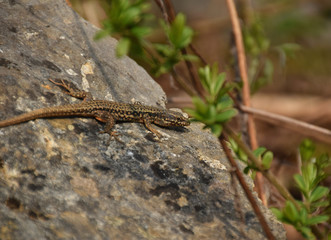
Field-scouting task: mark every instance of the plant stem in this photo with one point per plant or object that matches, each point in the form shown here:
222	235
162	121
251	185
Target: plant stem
318	133
246	89
187	88
268	175
247	191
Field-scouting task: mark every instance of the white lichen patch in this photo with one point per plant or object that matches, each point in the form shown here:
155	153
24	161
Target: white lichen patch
87	68
29	35
213	163
109	97
71	72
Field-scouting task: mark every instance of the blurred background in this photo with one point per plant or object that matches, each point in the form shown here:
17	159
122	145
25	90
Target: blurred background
288	46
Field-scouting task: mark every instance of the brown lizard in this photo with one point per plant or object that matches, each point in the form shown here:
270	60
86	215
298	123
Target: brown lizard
105	111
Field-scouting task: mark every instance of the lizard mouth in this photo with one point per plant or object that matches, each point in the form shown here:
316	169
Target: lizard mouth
185	122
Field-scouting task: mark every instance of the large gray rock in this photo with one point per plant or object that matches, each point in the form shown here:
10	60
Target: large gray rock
58	177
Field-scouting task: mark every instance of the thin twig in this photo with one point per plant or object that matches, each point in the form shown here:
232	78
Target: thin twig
303	128
246	89
247	191
169	16
198	54
282	190
242	66
268	175
170	9
195	80
160	3
187	88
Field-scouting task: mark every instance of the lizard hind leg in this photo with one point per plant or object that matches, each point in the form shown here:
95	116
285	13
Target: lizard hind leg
106	117
86	96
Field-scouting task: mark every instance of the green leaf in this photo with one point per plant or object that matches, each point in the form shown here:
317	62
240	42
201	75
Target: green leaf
309	172
267	159
126	20
123	47
213	82
131	16
216	129
288	49
303	216
233	145
307	149
223	93
204	74
242	156
211	115
279	214
219	81
140	31
190	57
195	115
306	232
200	105
163	49
320	204
226	115
224	103
190	111
318	193
323	161
259	151
301	183
290	212
179	34
101	34
317	219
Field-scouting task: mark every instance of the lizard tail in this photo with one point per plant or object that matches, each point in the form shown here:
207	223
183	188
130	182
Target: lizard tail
50	112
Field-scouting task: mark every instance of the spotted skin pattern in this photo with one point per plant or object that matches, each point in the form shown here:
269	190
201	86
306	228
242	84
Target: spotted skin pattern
105	111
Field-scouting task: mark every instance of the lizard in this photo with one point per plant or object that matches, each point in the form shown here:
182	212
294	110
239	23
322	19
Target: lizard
105	111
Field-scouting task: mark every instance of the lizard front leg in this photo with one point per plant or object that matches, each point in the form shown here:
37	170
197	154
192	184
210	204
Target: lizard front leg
148	125
86	96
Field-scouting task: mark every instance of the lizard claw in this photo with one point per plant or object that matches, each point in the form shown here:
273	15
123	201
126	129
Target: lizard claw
111	133
62	84
114	134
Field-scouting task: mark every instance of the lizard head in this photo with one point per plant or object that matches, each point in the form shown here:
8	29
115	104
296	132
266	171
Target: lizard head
172	118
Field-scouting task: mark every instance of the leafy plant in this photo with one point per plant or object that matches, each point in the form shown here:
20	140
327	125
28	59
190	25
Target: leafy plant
262	153
179	36
316	198
130	23
127	21
258	48
257	45
217	107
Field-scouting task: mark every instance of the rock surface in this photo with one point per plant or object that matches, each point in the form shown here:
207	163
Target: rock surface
58	177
